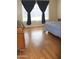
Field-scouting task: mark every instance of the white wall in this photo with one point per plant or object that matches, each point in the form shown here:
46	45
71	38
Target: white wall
19	10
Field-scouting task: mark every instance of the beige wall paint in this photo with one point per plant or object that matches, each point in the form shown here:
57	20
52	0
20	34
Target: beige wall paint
59	9
19	10
53	9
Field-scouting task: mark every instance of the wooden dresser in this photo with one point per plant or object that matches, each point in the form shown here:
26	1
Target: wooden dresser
20	36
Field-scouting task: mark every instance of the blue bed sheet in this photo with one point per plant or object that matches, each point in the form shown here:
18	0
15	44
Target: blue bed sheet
53	27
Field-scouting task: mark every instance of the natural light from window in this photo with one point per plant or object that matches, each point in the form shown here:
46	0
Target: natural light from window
36	14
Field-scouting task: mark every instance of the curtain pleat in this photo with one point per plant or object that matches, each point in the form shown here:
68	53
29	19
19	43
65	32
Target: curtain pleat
42	5
28	5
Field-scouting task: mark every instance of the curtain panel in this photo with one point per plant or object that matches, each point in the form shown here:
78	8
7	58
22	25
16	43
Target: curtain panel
29	5
43	5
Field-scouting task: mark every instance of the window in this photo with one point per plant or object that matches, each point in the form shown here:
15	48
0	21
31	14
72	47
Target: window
36	14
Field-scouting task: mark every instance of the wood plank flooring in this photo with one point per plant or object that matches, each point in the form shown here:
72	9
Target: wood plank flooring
40	45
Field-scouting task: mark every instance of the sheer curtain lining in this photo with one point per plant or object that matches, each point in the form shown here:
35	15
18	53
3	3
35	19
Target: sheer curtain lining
29	5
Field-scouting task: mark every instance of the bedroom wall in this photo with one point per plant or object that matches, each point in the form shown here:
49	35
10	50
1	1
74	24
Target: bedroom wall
53	10
19	10
59	9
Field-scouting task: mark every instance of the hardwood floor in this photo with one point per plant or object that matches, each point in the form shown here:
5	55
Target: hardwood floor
40	45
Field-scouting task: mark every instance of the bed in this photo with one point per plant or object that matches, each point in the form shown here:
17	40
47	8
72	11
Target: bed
53	27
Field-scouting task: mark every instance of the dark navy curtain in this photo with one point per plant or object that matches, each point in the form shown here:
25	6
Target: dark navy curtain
42	5
28	5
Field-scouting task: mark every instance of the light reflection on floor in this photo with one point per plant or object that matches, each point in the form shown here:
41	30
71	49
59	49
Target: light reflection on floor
26	35
35	37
